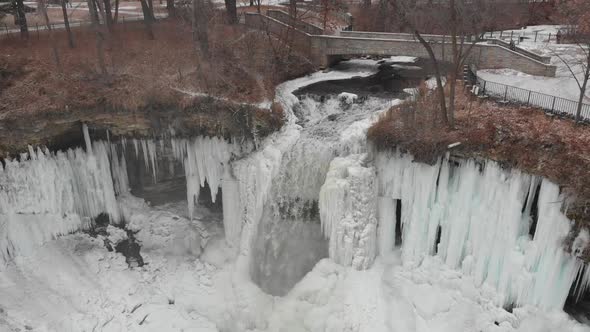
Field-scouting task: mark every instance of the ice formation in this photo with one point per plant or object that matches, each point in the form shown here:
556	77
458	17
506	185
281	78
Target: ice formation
482	213
204	159
347	210
44	195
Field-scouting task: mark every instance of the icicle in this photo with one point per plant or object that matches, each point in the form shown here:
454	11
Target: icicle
232	211
87	138
204	160
483	212
53	194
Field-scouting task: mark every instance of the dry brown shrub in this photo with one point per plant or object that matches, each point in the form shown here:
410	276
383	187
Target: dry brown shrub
141	71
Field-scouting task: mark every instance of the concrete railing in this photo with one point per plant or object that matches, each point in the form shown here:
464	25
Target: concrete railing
391	35
298	24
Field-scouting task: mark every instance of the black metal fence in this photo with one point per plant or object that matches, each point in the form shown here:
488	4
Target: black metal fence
552	104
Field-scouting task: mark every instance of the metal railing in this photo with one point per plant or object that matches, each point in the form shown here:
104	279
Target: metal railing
553	104
533	36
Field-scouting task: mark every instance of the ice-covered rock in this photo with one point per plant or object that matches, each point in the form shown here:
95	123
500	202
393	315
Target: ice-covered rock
347	211
347	97
476	217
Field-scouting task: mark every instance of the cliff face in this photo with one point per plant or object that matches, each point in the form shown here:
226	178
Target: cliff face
515	137
200	116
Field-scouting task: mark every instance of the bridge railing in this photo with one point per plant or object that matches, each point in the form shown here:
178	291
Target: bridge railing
552	104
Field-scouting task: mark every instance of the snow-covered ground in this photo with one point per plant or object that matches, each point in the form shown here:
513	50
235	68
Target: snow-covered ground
74	284
197	279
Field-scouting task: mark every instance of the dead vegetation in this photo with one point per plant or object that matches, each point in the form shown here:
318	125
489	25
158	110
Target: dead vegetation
140	71
520	137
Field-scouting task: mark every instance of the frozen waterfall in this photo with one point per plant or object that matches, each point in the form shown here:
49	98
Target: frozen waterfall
476	217
45	194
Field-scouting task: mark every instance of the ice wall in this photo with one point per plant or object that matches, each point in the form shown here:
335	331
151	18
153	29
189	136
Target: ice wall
45	194
347	211
483	213
204	159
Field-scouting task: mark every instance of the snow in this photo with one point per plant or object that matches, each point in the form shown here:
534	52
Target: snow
402	59
347	97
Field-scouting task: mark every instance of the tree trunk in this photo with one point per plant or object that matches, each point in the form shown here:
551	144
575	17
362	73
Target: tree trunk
108	14
439	86
251	3
67	24
151	9
100	10
41	7
200	32
116	17
583	93
293	8
232	13
99	36
456	61
170	8
22	19
147	19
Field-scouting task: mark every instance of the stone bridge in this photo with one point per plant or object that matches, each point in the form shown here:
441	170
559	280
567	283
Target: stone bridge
323	50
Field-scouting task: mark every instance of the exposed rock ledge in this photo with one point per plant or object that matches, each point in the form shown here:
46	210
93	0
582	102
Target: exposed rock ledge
201	116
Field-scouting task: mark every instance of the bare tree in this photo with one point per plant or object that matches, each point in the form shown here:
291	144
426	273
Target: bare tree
99	36
463	21
41	6
232	12
170	7
576	14
200	23
116	15
147	19
293	8
67	23
108	15
21	18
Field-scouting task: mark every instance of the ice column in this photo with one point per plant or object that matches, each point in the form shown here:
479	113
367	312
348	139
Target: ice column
348	211
45	195
483	213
